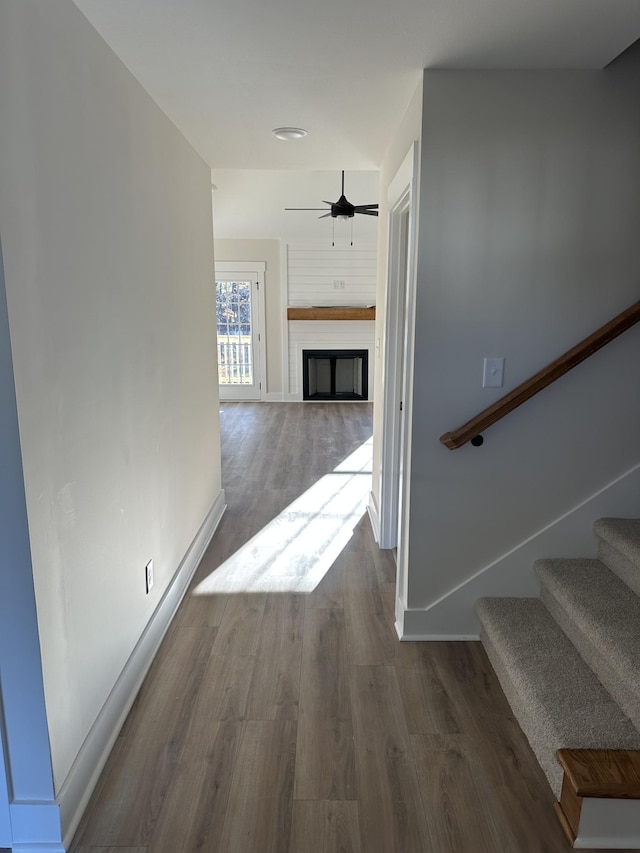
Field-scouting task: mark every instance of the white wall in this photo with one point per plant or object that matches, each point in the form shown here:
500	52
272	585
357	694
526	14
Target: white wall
105	218
267	251
250	204
528	241
331	276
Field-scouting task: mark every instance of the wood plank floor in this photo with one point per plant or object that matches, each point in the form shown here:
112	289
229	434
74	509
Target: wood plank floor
297	723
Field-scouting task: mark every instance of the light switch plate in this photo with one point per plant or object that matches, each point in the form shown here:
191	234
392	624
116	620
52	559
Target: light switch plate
493	373
148	576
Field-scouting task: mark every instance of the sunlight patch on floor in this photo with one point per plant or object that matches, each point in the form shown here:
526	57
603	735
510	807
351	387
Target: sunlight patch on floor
295	550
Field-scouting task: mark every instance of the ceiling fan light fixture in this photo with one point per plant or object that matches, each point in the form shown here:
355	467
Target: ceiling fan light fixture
341	209
289	133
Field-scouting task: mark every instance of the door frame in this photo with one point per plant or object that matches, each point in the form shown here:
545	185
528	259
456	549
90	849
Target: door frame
6	839
399	364
254	270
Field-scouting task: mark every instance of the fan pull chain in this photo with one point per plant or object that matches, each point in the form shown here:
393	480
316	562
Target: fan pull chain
352	218
333	231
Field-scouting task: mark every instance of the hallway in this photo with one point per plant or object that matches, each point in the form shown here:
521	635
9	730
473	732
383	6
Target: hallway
293	720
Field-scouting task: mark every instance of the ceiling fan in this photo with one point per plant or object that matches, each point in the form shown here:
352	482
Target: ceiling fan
342	209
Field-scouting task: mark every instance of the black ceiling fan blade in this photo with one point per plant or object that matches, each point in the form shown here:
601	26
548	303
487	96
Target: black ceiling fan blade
342	208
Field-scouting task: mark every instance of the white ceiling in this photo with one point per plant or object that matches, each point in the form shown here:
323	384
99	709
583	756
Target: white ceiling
228	71
251	202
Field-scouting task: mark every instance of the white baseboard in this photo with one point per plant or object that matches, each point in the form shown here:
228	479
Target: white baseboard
268	397
401	610
608	824
297	398
83	776
35	826
410	628
452	617
437	638
372	509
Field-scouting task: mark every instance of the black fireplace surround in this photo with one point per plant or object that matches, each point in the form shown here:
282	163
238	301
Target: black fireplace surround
337	374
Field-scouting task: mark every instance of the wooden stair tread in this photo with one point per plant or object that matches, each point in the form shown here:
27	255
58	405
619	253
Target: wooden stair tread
602	772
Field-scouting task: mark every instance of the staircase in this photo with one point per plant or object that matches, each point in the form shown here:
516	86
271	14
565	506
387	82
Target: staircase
569	664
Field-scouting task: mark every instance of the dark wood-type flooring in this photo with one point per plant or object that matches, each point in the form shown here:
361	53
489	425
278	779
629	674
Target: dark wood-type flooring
299	723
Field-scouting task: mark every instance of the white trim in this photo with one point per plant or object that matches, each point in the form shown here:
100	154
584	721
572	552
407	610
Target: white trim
512	574
295	398
253	270
5	820
27	782
83	776
284	299
409	628
313	246
401	609
36	824
402	196
408	391
609	824
436	638
233	266
274	397
372	509
395	326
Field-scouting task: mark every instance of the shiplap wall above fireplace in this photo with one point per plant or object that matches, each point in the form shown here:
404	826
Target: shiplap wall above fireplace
322	276
326	276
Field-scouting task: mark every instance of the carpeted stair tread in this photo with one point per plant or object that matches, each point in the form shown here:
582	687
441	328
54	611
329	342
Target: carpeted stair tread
555	696
619	548
623	534
601	617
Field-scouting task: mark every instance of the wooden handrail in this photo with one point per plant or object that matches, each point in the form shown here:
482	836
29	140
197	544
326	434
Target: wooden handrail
563	364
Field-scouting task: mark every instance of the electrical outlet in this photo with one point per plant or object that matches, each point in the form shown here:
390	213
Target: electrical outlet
148	574
338	284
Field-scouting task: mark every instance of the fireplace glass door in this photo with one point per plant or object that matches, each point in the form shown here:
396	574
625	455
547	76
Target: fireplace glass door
335	374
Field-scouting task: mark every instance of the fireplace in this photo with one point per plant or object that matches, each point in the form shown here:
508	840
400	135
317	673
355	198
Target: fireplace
337	374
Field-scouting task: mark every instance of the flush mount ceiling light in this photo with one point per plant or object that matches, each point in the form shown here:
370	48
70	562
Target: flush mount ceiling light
289	132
